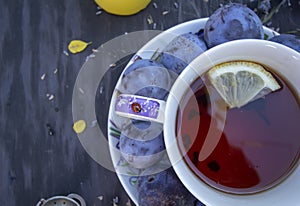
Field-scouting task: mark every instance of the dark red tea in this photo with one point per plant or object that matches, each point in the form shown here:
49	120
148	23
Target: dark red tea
257	148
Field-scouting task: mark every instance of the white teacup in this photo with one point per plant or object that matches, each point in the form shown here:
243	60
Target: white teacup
285	62
282	60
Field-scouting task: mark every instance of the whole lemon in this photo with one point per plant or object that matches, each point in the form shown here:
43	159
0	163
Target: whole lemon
123	7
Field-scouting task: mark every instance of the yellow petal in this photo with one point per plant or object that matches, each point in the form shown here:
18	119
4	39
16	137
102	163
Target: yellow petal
76	46
79	126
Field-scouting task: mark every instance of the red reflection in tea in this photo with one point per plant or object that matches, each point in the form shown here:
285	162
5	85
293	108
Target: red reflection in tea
258	146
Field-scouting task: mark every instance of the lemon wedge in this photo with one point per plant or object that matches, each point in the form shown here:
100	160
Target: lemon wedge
123	7
241	82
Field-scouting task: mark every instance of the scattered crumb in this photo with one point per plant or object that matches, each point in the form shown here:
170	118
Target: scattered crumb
81	90
101	197
94	123
55	71
51	97
176	5
128	203
150	19
95	50
136	57
90	57
12	175
165	12
154	5
101	89
50	130
99	12
66	53
154	25
115	201
112	65
43	76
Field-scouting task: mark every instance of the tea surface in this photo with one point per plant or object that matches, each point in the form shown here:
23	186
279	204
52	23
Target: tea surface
257	148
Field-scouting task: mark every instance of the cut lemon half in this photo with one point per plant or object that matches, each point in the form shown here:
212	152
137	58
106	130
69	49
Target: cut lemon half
123	7
241	82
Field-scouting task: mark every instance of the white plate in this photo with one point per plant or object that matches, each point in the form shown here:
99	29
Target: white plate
125	172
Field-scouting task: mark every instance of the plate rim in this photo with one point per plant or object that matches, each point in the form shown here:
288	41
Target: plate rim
177	30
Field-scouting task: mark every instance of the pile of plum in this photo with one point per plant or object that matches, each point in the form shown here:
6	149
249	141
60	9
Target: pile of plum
141	142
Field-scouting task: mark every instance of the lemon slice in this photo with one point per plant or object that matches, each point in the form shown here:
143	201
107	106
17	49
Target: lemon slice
241	82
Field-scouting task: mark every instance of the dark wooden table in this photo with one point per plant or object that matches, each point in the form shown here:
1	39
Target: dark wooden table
40	154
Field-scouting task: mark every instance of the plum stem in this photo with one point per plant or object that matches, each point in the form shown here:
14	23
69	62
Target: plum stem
273	11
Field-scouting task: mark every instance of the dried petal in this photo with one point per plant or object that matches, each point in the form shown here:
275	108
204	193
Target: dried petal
79	126
76	46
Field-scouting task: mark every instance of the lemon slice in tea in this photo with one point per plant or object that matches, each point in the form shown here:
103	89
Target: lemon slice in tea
241	82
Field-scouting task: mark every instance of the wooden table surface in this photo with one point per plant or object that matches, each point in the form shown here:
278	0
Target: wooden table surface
40	154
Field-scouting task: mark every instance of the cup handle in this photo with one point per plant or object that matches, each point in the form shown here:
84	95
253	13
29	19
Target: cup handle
140	108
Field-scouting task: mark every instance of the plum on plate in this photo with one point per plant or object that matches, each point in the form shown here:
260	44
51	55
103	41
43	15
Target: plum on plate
172	62
153	92
141	63
142	144
231	22
288	40
142	74
182	50
163	189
